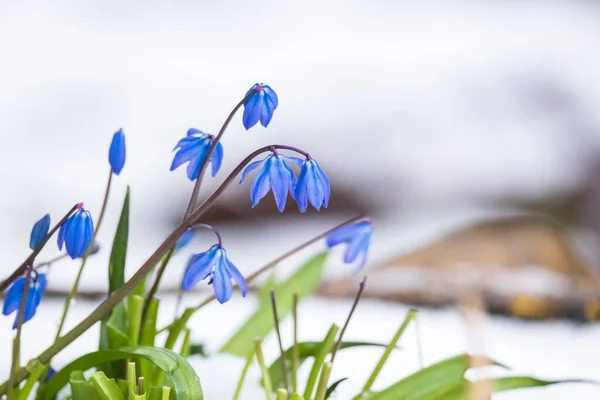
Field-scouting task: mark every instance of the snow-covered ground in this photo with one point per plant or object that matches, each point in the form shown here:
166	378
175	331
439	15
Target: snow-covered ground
548	350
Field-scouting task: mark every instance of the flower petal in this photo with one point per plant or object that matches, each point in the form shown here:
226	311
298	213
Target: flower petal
39	231
193	168
355	247
221	280
296	160
252	110
271	94
279	175
61	232
187	153
200	266
301	190
262	182
267	110
343	234
237	276
251	167
314	189
325	184
194	131
217	159
13	296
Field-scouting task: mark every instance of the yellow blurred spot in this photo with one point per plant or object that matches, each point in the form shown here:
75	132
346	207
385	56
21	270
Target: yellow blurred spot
529	307
591	309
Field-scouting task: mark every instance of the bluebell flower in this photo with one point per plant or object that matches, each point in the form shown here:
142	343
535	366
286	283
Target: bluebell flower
313	186
12	302
39	231
76	233
275	174
357	236
116	154
193	149
185	238
215	265
259	107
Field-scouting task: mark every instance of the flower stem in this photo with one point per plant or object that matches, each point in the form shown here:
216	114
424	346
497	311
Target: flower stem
238	389
284	375
210	228
193	199
112	301
16	351
29	261
326	347
75	287
412	314
266	378
295	350
361	288
323	380
282	394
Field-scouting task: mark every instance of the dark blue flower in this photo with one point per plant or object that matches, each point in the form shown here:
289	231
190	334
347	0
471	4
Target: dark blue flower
259	107
358	238
313	186
275	174
185	238
193	148
39	231
12	302
215	265
51	373
76	233
116	154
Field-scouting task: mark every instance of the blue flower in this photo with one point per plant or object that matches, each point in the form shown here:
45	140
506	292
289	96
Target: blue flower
260	106
193	148
358	238
185	238
76	233
313	186
12	302
275	174
215	265
116	154
39	231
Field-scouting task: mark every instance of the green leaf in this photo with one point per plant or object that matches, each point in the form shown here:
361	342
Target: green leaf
113	335
521	382
198	349
107	388
80	388
186	384
428	383
306	350
116	264
303	282
38	369
333	386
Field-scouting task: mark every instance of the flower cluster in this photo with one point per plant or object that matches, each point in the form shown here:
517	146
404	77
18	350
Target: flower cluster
193	149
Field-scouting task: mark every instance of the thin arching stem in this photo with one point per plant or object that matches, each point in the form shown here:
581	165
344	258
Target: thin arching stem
29	261
112	301
75	287
193	200
212	229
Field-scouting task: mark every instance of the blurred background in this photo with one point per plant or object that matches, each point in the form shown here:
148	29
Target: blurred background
467	130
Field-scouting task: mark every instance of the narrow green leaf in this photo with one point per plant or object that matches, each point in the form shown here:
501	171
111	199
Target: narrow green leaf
82	389
147	338
113	335
116	264
186	384
427	383
106	387
135	304
305	351
35	375
333	386
303	282
326	348
521	382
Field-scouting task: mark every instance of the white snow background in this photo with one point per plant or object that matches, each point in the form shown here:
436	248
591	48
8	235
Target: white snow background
422	109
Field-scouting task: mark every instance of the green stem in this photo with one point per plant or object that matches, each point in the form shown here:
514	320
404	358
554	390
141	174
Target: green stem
193	199
263	369
112	301
38	369
278	331
166	393
295	349
323	380
16	351
282	394
356	300
131	378
388	350
238	389
75	287
29	261
134	315
326	347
